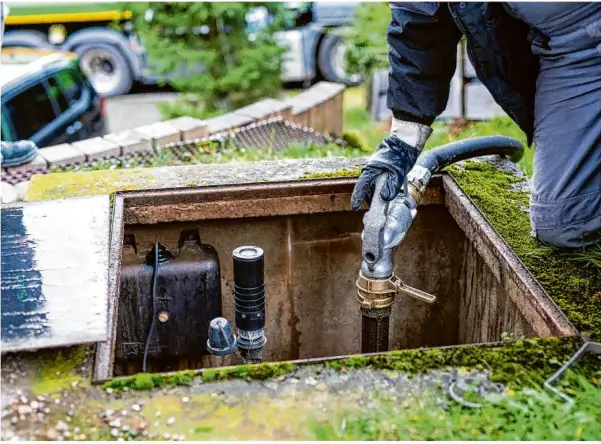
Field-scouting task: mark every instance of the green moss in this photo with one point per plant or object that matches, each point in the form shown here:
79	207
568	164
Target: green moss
203	429
57	369
571	281
143	381
525	361
262	371
355	139
89	183
333	174
149	381
191	184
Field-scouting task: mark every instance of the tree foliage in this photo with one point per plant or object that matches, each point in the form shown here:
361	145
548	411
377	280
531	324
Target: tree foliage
366	38
207	53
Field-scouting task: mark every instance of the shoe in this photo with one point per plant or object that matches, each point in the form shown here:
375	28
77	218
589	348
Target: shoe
17	153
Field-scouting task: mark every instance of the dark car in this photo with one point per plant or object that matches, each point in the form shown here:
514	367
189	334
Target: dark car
47	99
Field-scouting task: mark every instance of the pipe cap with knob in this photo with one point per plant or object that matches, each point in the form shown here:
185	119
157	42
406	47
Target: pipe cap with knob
222	340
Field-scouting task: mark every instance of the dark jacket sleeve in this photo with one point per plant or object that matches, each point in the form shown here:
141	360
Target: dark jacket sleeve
422	40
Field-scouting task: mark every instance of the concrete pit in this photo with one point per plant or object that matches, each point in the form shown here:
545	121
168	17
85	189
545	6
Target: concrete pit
312	245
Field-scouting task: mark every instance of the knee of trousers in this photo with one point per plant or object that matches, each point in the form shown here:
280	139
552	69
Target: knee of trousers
570	223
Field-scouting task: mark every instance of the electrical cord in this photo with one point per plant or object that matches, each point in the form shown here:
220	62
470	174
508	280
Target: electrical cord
154	305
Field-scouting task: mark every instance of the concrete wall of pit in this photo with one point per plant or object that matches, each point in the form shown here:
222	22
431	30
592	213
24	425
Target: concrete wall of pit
311	264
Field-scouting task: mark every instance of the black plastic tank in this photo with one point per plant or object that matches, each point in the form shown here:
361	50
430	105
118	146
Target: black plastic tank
188	296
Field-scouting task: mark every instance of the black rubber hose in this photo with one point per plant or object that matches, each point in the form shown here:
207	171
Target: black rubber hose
442	156
375	330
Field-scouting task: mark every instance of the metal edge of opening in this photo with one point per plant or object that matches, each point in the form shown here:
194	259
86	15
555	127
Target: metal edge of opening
479	231
487	240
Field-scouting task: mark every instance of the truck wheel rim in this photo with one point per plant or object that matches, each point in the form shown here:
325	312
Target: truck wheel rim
101	69
339	59
340	65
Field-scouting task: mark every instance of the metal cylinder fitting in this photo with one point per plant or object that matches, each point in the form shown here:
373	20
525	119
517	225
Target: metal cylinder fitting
249	288
221	340
249	301
373	294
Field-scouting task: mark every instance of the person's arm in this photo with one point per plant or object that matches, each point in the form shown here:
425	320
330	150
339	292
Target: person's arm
423	40
423	49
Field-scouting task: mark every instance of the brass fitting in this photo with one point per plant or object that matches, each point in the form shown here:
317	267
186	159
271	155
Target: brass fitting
416	193
417	180
376	294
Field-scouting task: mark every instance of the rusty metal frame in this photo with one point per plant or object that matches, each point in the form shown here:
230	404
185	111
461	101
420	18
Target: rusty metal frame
494	250
327	195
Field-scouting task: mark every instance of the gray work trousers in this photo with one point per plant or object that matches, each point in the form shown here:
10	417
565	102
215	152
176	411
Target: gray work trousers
565	204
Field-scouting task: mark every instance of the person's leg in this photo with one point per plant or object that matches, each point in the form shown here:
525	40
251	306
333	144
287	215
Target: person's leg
566	185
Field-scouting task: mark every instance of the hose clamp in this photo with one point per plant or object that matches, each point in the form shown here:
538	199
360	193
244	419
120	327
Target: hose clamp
376	294
417	180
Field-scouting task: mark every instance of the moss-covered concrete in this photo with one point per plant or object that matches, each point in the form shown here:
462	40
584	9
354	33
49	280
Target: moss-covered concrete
516	363
80	183
91	183
332	174
571	280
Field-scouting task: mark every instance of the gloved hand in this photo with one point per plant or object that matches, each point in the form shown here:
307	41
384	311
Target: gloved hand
396	155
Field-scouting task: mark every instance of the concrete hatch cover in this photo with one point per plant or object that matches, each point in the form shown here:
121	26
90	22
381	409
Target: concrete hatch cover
55	258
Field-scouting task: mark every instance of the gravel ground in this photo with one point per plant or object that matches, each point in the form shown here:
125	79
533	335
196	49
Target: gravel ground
281	408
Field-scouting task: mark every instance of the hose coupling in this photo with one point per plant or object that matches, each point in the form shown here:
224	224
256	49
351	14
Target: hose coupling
417	181
374	294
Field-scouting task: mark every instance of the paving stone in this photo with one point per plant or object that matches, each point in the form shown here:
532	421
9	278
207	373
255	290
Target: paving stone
9	194
130	142
189	127
159	133
39	163
227	122
264	109
21	189
97	148
64	153
305	101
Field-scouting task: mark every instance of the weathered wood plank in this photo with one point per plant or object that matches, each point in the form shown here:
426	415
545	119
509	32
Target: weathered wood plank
55	273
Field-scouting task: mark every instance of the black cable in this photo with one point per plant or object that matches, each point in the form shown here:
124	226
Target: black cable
154	305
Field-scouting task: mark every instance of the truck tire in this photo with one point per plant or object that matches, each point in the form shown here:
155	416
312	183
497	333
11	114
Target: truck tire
331	61
377	92
26	39
106	69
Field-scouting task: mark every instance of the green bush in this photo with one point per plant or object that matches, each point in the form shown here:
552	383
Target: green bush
366	38
208	54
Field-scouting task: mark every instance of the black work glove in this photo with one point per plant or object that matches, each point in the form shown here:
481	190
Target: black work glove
394	157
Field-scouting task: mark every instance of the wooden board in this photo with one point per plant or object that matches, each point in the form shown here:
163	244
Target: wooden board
55	258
